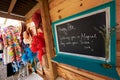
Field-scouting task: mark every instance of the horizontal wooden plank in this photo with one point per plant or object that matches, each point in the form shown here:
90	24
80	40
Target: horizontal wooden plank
54	3
81	72
118	53
118	45
118	61
118	2
68	75
118	42
70	7
11	16
118	20
118	38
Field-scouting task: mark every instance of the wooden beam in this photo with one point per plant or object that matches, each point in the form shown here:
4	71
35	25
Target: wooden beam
11	6
81	72
5	15
48	36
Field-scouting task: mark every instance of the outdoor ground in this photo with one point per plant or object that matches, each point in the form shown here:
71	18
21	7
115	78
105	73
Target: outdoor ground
3	73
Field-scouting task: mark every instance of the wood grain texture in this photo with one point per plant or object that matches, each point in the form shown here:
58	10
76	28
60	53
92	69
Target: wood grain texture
63	8
118	53
118	17
11	16
118	61
118	69
72	73
48	36
118	45
12	4
60	9
68	75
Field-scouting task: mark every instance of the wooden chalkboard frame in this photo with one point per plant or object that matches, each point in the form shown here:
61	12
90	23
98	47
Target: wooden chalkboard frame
110	9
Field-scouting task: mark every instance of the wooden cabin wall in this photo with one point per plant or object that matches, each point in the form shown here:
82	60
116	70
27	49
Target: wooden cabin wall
118	31
63	8
72	73
60	9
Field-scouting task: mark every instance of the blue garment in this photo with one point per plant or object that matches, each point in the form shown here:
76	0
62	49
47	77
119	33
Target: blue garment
28	55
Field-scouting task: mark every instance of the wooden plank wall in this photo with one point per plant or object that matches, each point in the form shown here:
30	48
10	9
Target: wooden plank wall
63	8
72	73
118	34
59	9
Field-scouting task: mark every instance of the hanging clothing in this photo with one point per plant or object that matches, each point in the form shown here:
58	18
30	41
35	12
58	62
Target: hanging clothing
38	45
1	45
12	49
10	54
36	17
28	55
27	38
5	55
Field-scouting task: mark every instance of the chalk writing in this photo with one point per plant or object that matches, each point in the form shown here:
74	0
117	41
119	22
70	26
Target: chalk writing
63	30
83	39
70	27
85	36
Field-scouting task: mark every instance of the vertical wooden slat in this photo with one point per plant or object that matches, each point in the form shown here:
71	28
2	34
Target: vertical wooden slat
118	33
47	35
118	18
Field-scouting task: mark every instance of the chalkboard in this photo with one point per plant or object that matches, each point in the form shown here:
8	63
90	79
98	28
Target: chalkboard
84	35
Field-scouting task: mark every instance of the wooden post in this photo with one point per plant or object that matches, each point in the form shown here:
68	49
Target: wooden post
47	35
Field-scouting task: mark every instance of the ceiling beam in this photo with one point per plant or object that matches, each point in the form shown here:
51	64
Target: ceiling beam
12	4
5	15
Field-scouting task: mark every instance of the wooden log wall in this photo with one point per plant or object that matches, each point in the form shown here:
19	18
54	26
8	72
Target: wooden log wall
60	9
